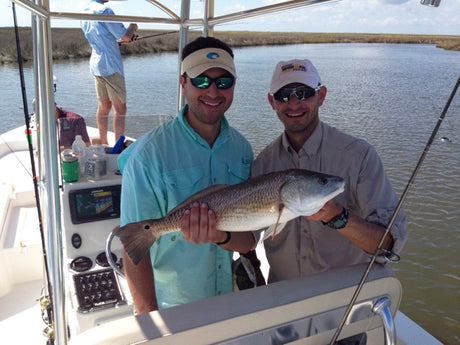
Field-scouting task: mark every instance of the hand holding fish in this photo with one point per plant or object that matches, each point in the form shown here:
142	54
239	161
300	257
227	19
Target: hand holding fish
198	225
330	209
363	234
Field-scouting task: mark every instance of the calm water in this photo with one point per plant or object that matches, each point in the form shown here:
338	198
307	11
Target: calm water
391	95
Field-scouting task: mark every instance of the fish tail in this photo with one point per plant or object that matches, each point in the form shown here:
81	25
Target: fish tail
136	240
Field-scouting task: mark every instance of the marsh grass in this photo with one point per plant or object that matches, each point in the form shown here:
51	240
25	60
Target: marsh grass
70	43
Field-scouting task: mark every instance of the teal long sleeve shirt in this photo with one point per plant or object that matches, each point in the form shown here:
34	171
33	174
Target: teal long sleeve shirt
160	170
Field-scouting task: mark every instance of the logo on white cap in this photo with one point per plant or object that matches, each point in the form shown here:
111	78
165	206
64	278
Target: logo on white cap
212	55
294	71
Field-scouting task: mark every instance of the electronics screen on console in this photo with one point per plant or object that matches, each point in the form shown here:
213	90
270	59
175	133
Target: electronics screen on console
88	205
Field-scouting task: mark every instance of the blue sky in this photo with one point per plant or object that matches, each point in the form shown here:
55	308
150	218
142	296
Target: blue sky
367	16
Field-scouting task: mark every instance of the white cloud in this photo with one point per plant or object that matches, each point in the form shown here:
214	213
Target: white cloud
379	16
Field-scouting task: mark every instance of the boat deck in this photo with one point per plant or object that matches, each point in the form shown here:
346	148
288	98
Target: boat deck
247	317
20	314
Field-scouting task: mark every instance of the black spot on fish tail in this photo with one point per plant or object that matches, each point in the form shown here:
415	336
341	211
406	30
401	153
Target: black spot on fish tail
137	238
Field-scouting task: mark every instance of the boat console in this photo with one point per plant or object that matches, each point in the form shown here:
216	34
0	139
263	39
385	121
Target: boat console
91	209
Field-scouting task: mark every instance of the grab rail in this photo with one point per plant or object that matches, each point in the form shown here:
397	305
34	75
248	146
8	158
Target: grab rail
382	308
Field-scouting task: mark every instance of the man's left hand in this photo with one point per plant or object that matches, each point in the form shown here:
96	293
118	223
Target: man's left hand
327	212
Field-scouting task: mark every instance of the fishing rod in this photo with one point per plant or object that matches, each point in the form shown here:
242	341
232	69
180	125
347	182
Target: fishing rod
45	302
136	38
395	213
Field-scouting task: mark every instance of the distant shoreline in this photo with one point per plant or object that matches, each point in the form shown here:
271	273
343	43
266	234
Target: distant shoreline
70	43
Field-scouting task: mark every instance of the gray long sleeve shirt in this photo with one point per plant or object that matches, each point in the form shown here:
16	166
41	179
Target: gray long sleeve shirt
307	247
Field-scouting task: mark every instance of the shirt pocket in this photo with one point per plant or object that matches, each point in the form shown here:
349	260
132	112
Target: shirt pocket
182	183
238	171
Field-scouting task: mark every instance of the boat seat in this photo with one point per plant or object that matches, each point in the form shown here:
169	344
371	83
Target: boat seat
299	311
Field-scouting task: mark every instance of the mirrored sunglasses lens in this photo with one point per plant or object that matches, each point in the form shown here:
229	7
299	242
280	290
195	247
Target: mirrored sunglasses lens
201	82
301	92
304	92
224	82
282	95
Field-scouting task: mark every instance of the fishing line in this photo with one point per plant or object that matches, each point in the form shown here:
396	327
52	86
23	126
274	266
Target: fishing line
32	160
148	36
395	213
155	35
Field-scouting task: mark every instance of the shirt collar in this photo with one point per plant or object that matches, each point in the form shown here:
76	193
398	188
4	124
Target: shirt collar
311	146
221	137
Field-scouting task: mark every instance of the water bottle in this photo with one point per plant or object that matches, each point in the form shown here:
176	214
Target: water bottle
96	165
79	148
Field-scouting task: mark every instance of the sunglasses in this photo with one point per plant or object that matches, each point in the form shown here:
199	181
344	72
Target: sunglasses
203	82
301	92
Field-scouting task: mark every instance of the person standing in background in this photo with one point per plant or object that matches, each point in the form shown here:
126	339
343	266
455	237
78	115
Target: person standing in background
107	67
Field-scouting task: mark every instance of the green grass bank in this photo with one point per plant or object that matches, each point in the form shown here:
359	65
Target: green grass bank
69	43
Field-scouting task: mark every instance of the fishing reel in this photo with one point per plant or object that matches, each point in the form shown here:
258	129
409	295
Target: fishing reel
389	256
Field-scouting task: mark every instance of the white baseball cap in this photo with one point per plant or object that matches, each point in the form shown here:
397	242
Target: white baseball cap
294	71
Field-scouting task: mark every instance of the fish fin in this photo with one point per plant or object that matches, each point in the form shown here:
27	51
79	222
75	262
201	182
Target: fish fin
269	231
199	196
137	238
280	211
272	229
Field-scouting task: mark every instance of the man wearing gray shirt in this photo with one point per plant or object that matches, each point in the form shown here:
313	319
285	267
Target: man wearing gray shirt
347	230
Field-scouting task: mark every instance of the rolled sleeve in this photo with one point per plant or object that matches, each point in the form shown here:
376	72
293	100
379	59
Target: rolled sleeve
377	199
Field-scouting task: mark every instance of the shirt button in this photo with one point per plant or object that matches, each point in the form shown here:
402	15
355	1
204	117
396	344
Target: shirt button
219	267
173	238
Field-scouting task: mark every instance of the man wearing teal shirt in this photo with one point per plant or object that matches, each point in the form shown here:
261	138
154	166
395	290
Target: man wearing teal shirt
165	166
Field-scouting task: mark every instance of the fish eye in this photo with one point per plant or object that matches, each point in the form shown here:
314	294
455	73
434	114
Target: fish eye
323	181
146	227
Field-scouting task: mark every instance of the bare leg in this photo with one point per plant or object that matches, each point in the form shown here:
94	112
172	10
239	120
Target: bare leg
102	114
119	112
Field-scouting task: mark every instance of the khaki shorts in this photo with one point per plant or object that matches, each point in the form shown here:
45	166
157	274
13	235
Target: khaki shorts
111	87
